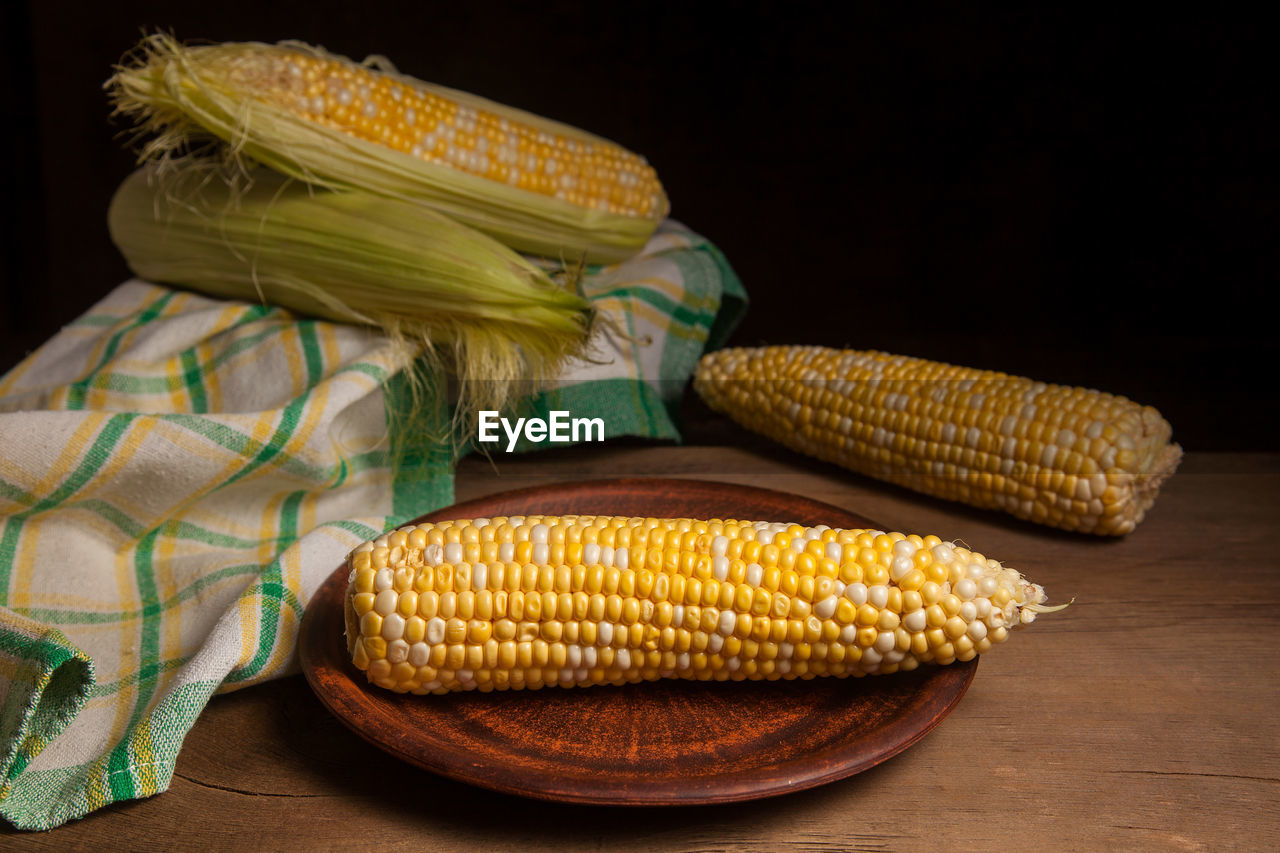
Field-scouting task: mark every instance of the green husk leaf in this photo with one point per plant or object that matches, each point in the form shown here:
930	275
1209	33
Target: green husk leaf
488	315
182	97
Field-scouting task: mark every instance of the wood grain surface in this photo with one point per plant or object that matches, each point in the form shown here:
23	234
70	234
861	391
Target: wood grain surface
1143	717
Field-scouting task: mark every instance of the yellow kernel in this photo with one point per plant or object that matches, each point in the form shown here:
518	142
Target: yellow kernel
866	615
364	578
479	630
846	611
876	575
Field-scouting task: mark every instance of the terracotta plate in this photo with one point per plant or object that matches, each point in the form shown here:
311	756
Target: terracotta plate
661	743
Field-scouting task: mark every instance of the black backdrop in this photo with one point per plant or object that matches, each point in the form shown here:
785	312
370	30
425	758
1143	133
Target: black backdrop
1073	197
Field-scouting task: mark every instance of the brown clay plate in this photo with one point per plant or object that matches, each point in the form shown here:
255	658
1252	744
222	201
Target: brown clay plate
659	743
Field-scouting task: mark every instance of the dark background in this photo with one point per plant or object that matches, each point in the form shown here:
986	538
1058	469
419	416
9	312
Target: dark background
1073	197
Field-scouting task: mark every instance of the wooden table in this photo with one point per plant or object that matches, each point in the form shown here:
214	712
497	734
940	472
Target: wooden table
1143	717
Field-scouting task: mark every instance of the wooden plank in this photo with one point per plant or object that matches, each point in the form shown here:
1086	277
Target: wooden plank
1141	717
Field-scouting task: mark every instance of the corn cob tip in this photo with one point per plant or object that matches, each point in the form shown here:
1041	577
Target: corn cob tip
534	601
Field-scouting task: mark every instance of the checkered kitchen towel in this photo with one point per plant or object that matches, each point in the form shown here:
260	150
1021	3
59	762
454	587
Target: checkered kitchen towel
178	475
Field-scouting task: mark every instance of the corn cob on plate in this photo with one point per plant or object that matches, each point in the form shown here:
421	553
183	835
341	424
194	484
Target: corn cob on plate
671	741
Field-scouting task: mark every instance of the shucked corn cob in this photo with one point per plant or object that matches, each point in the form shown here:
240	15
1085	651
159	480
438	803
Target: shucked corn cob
536	601
535	184
1067	457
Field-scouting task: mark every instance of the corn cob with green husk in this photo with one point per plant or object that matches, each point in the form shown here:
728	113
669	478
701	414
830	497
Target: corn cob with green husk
534	184
535	601
493	317
1068	457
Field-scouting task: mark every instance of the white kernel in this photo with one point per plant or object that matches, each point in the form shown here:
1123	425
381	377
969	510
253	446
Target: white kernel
453	553
607	556
573	656
621	558
871	659
589	656
987	586
904	548
714	644
944	553
435	630
479	576
885	642
392	627
604	634
590	554
727	621
720	567
397	651
900	566
915	621
848	634
419	654
834	551
719	546
382	542
969	611
878	596
410	116
733	664
825	608
857	593
966	589
976	631
622	659
755	574
370	109
507	552
677	615
344	96
539	533
385	602
540	554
